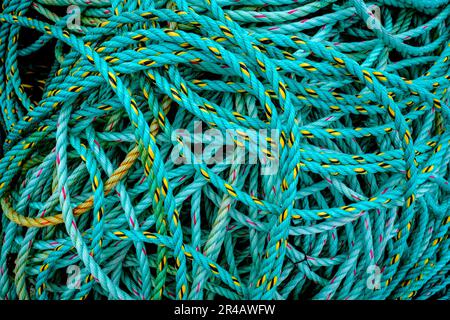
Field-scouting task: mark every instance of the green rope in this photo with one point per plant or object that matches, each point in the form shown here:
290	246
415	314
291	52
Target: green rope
246	149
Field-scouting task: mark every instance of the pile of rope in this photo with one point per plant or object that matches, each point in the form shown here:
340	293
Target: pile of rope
104	195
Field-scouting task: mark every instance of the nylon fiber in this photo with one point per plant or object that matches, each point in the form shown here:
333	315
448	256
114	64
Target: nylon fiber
103	192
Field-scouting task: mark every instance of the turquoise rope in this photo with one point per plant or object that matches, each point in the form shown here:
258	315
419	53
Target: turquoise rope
93	206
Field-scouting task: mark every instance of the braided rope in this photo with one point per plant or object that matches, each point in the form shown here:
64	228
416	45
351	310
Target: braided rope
348	196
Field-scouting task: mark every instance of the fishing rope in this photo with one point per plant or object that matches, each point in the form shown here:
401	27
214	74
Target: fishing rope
331	118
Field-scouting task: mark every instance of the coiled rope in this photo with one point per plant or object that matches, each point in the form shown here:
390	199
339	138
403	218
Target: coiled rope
93	205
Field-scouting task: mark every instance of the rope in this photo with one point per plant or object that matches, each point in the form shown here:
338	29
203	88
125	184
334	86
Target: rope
192	149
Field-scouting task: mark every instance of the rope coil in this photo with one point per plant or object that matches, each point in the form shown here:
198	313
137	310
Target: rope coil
343	105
